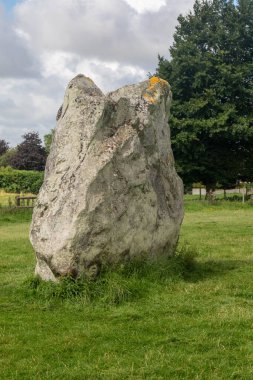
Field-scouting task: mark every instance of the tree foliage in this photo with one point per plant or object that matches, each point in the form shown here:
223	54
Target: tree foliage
5	159
30	154
48	138
4	146
211	74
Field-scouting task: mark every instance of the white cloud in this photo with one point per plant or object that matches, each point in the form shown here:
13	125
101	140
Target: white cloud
16	59
115	42
28	104
142	6
107	30
107	75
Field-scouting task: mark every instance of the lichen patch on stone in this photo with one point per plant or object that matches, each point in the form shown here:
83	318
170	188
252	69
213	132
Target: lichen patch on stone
152	92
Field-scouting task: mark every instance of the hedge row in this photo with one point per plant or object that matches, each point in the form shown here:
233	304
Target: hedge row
16	181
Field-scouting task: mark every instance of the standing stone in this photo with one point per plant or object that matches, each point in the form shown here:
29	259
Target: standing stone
111	192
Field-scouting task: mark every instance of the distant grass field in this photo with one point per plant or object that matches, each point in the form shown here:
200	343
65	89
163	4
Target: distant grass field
8	199
193	321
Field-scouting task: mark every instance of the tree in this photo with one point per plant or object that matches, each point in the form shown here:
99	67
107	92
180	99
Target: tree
4	146
5	159
211	74
48	140
30	154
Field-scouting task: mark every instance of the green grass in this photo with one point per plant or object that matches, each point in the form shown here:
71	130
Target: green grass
9	199
182	320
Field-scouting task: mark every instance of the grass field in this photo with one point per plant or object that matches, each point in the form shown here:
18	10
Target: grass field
195	324
9	199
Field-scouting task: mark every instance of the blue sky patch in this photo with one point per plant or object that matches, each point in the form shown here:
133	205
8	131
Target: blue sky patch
9	4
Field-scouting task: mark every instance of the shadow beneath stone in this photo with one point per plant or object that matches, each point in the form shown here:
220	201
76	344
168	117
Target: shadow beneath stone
201	271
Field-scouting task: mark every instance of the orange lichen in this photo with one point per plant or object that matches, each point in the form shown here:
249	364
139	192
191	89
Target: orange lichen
151	94
155	80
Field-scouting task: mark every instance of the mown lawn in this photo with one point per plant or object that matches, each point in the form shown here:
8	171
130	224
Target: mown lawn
197	324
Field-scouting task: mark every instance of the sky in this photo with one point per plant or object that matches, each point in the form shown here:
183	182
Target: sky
45	43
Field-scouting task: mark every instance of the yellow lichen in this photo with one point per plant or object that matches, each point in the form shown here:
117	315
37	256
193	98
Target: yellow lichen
149	98
155	80
151	94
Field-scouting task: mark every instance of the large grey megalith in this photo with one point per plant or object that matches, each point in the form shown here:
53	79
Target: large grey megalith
110	192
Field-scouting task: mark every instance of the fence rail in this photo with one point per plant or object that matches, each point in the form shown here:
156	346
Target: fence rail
27	202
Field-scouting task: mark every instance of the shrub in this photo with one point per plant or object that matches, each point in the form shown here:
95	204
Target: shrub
17	181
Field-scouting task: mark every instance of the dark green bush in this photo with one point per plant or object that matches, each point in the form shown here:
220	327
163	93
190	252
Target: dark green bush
16	181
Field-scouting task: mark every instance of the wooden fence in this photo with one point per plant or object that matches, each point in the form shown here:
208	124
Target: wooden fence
27	202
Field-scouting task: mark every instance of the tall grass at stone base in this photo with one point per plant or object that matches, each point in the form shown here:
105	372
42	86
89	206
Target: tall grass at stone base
114	286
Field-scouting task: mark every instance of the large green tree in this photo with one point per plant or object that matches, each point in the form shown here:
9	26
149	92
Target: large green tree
211	74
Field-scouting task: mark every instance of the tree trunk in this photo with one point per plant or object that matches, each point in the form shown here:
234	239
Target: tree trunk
210	192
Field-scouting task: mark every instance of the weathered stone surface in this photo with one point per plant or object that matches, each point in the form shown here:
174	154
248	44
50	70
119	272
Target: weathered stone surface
111	192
